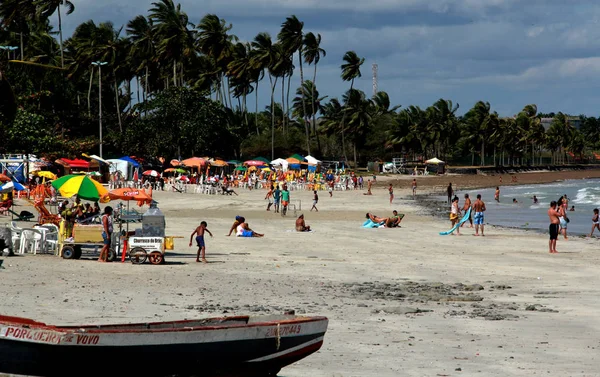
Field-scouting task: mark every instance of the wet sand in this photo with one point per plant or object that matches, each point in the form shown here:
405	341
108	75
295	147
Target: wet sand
400	301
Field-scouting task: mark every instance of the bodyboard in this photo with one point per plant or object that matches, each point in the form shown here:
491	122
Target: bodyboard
462	221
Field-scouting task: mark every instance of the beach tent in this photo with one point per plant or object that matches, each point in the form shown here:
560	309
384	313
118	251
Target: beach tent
261	159
434	161
436	165
280	162
297	157
123	166
133	162
311	160
95	157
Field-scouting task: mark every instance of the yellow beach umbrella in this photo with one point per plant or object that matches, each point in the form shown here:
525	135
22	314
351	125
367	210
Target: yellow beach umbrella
45	174
81	185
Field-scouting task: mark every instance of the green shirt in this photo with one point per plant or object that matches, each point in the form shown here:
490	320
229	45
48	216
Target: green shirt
285	195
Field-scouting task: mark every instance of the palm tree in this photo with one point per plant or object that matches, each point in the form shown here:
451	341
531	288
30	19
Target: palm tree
214	42
311	95
484	122
141	34
16	16
47	9
359	112
312	55
266	55
240	71
350	71
171	29
292	37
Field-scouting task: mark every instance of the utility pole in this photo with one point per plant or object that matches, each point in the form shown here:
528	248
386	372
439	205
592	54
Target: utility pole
99	65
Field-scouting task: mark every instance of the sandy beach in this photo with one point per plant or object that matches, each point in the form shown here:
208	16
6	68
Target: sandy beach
401	302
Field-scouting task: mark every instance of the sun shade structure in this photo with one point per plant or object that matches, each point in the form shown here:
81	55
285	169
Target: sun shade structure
151	173
45	174
4	178
218	163
80	185
255	163
128	193
194	162
434	161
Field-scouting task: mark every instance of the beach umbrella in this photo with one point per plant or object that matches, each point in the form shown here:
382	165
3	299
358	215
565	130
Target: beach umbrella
80	185
128	193
219	163
292	160
297	157
254	163
266	169
45	174
10	186
175	162
240	168
93	173
4	178
194	162
183	178
266	161
311	160
151	173
234	162
434	161
175	170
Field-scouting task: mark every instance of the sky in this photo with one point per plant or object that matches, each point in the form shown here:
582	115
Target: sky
507	52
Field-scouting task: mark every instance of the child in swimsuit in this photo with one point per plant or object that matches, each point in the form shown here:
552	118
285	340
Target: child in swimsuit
595	220
200	240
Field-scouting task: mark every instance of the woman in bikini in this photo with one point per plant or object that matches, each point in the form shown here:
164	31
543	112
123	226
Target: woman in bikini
595	224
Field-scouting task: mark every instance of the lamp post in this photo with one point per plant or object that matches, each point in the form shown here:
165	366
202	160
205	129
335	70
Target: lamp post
99	65
8	49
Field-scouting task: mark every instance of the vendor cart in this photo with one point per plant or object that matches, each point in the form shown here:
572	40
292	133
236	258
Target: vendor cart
83	236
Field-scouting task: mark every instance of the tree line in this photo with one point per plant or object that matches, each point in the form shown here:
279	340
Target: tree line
192	83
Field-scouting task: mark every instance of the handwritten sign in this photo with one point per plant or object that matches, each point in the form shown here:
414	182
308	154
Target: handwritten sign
36	336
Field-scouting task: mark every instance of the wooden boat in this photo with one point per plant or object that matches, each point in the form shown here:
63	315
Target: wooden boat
228	346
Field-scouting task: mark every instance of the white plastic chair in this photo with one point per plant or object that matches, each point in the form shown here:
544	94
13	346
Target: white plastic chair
15	235
51	242
31	240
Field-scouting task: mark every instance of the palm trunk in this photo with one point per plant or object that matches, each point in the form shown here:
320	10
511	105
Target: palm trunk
229	93
22	48
283	113
344	126
272	116
287	100
90	91
174	72
118	107
129	96
314	113
62	58
355	163
137	85
303	103
482	153
256	108
245	107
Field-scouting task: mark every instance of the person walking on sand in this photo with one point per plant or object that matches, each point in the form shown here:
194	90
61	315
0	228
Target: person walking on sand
269	197
595	220
563	218
330	188
285	200
199	232
391	191
276	198
107	230
479	209
497	194
414	187
553	214
455	214
315	201
369	186
450	192
466	207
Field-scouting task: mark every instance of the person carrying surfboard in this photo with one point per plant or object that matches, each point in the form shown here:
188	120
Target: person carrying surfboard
455	214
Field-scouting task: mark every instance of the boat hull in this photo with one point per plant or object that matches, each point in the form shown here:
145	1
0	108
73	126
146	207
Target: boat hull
257	350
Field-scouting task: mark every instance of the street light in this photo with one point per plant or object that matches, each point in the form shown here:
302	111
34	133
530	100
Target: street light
99	65
8	49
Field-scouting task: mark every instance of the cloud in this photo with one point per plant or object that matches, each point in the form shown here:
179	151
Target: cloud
508	52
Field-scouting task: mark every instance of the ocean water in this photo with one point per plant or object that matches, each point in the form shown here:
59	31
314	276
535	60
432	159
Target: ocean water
583	194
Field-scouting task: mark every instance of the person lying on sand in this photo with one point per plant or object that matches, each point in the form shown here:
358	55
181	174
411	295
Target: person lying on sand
301	225
243	230
376	219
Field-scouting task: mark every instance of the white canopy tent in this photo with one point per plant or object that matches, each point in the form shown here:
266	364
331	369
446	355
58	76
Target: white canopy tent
311	160
281	163
434	161
123	166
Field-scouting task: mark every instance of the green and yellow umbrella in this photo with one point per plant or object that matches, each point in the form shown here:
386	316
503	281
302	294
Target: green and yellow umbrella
80	185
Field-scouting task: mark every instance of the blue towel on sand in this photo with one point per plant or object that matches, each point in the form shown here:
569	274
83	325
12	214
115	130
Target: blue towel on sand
370	224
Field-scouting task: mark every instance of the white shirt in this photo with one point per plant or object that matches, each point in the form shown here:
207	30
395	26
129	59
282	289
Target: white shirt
239	231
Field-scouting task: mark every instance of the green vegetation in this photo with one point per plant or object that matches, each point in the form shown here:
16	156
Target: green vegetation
192	83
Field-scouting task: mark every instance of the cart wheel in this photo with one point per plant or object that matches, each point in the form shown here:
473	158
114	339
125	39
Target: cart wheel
68	252
112	255
137	255
77	249
156	257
